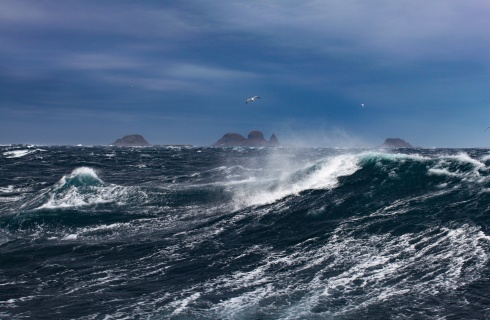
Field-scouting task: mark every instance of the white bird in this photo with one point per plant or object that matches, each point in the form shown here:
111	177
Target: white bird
362	105
252	99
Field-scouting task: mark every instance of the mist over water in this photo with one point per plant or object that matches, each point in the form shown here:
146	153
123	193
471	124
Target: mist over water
244	233
296	135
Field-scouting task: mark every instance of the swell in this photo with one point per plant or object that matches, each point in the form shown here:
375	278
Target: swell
368	183
253	234
348	252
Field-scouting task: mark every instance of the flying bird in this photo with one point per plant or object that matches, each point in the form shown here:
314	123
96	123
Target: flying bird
362	105
252	99
486	129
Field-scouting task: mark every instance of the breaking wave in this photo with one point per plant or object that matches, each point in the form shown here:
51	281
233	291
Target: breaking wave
322	174
82	187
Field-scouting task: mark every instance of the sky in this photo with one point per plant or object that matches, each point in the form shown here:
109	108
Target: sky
179	72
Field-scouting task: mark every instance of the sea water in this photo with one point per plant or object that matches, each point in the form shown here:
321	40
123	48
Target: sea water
244	233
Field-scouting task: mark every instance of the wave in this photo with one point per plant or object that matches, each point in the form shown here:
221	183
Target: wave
461	167
20	153
322	174
276	178
82	187
347	274
373	172
245	234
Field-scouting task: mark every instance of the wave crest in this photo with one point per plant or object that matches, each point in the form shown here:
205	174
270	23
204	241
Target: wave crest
83	176
82	187
323	174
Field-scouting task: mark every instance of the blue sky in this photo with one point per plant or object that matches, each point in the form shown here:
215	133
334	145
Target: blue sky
179	72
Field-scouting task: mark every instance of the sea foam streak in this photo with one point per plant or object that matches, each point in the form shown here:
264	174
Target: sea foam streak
349	274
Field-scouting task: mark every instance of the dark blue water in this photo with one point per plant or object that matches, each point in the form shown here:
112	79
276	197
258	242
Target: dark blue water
243	233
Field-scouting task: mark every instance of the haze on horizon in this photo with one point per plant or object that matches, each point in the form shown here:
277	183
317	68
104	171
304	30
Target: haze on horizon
177	72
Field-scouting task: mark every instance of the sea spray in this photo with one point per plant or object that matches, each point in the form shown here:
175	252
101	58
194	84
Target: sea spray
292	180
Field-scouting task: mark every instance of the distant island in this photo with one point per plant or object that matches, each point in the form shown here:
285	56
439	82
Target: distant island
132	140
393	143
254	139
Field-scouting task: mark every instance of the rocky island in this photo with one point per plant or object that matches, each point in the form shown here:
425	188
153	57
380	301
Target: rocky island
133	140
393	143
254	139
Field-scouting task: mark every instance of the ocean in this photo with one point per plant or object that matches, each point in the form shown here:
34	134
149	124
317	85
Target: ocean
244	233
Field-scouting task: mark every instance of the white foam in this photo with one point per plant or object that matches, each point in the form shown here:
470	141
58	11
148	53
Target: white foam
84	171
74	197
20	153
392	156
321	175
10	193
449	166
441	256
383	267
182	304
7	189
465	158
10	198
87	231
70	237
485	158
89	190
17	153
235	307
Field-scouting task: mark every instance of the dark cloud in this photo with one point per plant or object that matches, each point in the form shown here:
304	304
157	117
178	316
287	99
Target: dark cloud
200	59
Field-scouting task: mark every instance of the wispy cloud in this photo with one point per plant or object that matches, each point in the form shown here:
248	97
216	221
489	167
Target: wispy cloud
400	31
207	73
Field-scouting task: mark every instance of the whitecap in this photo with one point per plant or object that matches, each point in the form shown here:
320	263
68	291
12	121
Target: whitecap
73	236
456	166
82	187
17	153
323	174
21	152
7	189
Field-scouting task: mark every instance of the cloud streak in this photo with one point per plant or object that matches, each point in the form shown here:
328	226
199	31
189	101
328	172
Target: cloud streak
309	59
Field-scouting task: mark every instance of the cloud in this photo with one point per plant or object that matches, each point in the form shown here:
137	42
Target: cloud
310	59
99	61
110	43
407	29
151	75
93	17
333	30
206	73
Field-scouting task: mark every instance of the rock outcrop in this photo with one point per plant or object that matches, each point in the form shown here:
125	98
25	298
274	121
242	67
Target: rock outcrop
273	141
133	140
254	139
230	139
392	143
